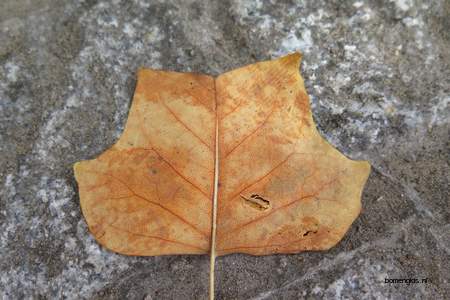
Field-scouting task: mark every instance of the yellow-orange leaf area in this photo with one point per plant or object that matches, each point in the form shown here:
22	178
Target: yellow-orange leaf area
281	187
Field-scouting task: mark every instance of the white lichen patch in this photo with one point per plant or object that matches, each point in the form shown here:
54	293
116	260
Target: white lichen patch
129	30
440	111
293	43
248	8
358	4
50	135
403	4
12	71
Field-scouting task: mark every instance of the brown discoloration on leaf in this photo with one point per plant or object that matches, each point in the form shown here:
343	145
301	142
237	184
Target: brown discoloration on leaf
282	187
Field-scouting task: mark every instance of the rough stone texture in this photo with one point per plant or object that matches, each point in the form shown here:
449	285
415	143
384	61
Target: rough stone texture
378	73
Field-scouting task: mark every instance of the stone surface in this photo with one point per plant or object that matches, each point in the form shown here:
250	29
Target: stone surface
378	73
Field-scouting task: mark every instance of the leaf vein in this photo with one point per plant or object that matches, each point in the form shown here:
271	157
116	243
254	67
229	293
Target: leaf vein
185	126
251	134
155	203
156	237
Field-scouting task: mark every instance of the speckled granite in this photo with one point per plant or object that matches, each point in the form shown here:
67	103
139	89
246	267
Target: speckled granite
378	73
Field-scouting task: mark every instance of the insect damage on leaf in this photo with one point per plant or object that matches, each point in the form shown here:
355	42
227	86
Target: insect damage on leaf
257	201
156	191
309	231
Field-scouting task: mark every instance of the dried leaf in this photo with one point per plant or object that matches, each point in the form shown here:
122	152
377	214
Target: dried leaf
279	186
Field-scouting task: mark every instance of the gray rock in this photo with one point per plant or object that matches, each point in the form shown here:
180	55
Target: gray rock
378	73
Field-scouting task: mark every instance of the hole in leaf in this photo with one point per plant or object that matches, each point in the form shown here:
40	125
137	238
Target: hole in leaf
256	201
309	231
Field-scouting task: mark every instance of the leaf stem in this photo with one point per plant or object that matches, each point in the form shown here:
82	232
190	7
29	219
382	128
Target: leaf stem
214	206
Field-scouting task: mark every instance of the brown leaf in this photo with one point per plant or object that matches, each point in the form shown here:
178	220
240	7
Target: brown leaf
281	188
